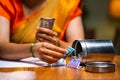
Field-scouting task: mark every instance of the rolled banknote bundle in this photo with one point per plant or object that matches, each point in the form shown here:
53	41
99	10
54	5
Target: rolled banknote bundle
47	22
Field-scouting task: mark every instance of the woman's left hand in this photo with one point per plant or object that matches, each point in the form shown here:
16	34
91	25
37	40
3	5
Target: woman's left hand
46	35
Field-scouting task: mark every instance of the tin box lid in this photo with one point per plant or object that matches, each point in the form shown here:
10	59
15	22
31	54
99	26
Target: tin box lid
100	67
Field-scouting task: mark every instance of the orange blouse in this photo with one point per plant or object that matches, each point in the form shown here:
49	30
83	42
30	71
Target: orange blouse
13	11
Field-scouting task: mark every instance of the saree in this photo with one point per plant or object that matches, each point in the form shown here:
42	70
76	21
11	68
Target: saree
23	30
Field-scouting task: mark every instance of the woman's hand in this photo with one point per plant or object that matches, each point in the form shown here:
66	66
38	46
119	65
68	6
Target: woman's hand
48	52
46	35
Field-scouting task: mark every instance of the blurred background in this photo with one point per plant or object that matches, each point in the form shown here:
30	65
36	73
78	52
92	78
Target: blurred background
101	19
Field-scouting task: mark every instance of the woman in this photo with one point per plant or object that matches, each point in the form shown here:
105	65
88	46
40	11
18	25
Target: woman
19	20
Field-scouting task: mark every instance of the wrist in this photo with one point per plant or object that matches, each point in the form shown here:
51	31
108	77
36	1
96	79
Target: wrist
36	48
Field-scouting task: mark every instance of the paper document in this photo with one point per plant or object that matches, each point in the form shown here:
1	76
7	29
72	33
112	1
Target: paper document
27	62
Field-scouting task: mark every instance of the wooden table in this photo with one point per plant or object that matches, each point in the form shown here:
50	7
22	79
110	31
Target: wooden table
58	73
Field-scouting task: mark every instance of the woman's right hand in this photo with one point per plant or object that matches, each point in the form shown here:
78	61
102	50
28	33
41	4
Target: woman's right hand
48	52
46	35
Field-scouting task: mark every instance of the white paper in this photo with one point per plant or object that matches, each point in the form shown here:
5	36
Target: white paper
27	62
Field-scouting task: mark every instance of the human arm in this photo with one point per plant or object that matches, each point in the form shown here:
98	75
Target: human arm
14	51
74	31
10	50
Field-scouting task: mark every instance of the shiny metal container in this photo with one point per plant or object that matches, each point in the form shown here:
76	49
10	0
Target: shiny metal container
93	50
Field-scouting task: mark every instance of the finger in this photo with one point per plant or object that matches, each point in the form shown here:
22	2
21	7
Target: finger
48	59
47	31
45	37
42	40
51	53
36	40
54	48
